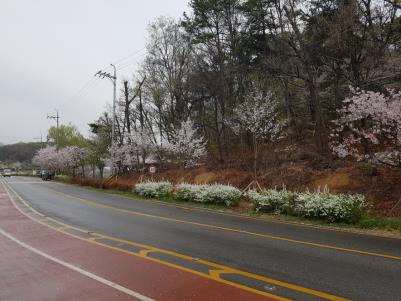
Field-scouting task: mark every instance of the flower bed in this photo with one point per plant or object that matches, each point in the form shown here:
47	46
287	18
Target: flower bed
154	189
319	205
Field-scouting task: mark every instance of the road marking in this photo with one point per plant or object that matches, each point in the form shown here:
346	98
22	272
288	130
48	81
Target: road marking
140	255
319	245
77	269
331	228
213	275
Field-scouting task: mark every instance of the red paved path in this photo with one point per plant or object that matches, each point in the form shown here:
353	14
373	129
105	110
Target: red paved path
25	275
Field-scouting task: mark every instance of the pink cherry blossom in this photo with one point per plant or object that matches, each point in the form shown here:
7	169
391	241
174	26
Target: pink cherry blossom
369	127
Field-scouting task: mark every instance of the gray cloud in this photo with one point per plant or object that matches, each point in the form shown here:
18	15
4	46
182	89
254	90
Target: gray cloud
50	49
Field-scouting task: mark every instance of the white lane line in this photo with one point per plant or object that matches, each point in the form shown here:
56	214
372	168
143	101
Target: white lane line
26	182
77	269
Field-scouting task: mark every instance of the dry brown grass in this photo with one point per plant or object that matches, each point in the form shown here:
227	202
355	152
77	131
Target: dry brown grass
381	184
110	183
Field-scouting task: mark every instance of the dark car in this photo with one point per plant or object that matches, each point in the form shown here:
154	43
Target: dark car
47	175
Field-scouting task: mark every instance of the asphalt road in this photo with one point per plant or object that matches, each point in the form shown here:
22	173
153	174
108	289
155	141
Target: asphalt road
352	266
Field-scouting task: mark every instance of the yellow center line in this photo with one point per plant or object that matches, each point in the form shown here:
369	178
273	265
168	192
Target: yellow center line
213	274
319	245
275	297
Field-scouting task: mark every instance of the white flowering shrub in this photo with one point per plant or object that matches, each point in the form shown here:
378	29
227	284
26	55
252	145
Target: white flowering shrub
188	192
333	208
221	194
154	189
272	200
319	205
214	193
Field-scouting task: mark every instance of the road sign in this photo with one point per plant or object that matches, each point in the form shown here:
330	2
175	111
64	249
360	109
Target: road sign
152	169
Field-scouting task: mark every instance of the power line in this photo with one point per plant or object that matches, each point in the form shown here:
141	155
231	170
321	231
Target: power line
83	89
125	58
120	64
127	64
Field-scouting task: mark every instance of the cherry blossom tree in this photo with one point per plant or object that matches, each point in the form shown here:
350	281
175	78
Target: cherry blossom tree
116	159
186	145
139	146
65	159
71	157
46	158
257	116
135	148
369	127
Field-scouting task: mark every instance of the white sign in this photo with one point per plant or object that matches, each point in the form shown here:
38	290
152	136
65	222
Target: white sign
152	169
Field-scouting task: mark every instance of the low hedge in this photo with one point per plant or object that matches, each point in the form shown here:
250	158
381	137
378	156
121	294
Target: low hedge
214	193
318	205
152	189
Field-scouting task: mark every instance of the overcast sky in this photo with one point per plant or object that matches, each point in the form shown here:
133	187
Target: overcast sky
50	50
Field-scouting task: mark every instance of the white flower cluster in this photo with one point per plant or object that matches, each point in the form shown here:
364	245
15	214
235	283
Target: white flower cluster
136	146
186	146
369	127
257	115
272	200
320	205
65	159
213	193
333	208
154	189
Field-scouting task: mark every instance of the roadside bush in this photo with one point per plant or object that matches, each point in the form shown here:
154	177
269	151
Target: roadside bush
154	189
272	200
333	208
188	192
214	193
318	205
220	194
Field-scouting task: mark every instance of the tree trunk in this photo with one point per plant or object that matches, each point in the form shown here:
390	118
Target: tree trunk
255	156
218	136
126	108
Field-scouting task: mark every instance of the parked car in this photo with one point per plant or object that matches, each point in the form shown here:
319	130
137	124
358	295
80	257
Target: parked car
7	173
47	175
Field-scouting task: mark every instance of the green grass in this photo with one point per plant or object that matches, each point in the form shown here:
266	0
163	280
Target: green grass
367	222
375	222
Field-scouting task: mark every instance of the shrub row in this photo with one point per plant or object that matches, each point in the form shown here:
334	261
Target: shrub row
316	205
117	184
214	193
